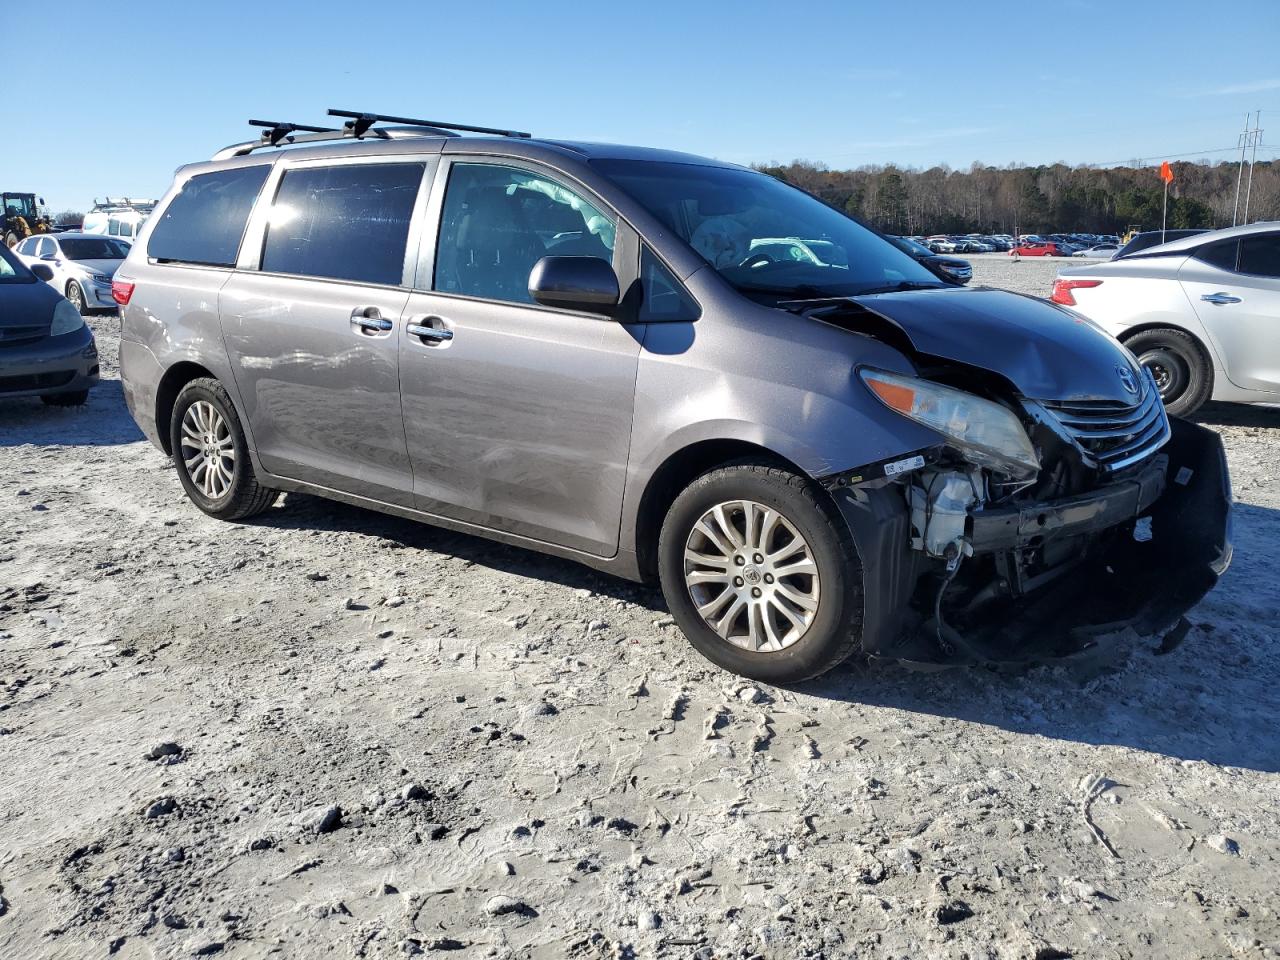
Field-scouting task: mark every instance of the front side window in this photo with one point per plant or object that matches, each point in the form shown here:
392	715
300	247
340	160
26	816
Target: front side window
348	222
499	221
205	222
768	239
1260	255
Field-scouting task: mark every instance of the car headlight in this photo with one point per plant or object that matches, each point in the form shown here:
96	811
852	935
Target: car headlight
66	319
987	433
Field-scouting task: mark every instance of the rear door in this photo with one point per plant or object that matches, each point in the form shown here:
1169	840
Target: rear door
518	416
311	322
1234	287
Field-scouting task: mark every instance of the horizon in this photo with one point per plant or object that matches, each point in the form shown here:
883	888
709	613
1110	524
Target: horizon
686	79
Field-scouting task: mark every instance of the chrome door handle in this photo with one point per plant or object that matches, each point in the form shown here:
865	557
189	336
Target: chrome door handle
369	319
435	334
1219	298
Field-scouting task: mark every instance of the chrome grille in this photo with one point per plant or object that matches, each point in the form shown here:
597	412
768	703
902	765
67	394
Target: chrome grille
1115	435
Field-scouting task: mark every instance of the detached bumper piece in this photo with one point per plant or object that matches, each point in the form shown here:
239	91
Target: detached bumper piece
1053	579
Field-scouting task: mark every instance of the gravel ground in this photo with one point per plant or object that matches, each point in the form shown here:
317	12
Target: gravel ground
332	733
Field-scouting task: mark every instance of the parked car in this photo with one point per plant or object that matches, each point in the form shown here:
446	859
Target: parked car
573	348
1103	251
941	244
951	269
82	265
1201	313
1042	248
1152	238
46	350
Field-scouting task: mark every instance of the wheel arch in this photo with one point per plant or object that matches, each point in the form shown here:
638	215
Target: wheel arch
676	472
171	384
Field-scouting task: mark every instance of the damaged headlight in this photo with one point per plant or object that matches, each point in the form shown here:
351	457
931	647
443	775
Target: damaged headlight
988	434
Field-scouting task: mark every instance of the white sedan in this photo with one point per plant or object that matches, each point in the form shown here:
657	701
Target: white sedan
82	263
1201	313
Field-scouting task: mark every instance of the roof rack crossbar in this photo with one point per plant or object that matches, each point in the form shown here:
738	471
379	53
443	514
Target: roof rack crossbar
359	124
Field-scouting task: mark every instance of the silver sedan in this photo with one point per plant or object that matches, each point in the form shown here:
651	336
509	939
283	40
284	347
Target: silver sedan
1202	313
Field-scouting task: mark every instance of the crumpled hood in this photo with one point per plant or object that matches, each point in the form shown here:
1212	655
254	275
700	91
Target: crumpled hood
1043	350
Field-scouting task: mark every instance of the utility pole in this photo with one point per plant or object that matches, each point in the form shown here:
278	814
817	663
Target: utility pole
1244	142
1257	135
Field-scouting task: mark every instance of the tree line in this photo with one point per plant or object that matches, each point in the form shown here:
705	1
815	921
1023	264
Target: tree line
1021	199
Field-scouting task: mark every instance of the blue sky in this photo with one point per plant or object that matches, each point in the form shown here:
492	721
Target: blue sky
147	86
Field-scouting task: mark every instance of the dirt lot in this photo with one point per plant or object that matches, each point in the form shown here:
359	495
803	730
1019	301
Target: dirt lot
331	733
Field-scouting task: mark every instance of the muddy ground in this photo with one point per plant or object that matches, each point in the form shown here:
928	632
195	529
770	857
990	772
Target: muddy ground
332	733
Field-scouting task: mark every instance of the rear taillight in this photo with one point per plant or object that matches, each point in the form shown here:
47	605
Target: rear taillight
121	291
1062	290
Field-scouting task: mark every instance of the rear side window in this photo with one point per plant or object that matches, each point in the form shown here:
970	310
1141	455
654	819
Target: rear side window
206	220
1260	255
1221	254
348	222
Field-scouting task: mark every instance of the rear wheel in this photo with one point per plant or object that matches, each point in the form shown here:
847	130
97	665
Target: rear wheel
761	574
11	239
1178	364
76	295
211	454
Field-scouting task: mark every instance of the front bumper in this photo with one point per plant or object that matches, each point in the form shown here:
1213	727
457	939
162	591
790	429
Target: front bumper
52	365
97	296
1121	576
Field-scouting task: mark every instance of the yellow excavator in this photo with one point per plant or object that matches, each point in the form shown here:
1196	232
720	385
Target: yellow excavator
21	215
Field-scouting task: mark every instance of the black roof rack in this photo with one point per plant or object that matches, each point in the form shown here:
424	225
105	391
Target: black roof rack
359	123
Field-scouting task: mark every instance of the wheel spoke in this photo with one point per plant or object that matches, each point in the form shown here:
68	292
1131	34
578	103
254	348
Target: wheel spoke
801	600
709	609
755	625
716	539
726	622
706	576
804	565
730	531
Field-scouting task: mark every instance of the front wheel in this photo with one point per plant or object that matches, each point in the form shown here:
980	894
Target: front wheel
211	454
76	295
1178	365
761	574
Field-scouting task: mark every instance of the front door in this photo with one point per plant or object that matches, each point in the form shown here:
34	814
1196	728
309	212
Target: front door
312	334
518	416
1235	290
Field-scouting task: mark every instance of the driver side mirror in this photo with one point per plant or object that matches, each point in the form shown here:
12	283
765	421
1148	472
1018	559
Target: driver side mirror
42	271
575	283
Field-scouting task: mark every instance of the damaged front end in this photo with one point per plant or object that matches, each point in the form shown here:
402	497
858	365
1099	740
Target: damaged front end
1005	545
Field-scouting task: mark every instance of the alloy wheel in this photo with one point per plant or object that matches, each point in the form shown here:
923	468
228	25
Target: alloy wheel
208	451
751	575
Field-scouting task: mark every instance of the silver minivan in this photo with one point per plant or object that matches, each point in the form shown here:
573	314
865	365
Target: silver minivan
608	354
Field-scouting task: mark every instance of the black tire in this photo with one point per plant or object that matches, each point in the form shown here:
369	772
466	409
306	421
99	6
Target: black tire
1180	366
75	293
836	628
243	496
76	399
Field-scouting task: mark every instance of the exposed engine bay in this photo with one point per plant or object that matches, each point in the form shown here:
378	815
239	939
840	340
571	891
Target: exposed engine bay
1036	525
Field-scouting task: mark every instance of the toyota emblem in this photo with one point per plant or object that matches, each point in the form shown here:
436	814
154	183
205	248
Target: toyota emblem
1128	379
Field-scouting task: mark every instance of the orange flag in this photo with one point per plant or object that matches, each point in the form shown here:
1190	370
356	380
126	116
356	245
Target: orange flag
1166	172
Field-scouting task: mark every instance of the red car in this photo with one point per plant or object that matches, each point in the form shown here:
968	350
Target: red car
1044	249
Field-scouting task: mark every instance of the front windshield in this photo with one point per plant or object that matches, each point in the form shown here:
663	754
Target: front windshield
20	206
94	248
763	236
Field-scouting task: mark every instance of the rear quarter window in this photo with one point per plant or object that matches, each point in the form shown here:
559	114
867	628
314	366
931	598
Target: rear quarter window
205	222
1221	254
